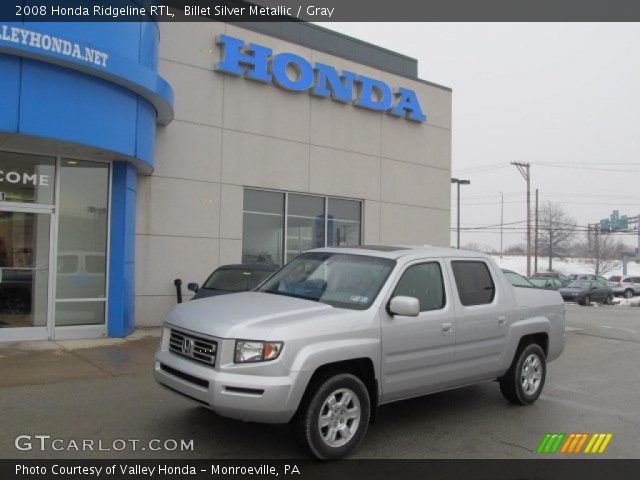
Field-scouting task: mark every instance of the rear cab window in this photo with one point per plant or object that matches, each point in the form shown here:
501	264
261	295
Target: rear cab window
474	282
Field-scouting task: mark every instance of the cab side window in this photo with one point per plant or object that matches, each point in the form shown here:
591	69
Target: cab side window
474	282
424	282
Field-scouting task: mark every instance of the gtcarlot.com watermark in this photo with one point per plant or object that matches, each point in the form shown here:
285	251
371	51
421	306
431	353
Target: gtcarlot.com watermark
46	443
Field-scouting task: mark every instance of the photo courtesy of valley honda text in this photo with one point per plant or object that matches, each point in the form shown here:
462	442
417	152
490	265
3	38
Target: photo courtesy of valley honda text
136	153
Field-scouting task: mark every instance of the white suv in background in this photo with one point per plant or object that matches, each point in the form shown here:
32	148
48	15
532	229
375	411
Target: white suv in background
626	285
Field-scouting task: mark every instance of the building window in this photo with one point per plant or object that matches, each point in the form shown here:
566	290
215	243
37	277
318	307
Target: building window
310	221
262	227
344	222
305	224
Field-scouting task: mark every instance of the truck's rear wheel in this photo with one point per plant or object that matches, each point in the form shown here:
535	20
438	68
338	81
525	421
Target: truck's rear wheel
334	417
523	382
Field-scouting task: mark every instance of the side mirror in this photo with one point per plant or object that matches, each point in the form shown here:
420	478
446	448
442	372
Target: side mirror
404	306
194	287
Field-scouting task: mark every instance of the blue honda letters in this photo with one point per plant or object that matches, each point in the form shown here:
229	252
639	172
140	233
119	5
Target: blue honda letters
258	63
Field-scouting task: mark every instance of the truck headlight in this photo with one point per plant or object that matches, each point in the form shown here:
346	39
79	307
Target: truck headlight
248	351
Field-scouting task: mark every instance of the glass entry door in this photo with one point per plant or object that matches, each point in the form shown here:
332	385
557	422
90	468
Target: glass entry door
25	247
27	186
81	257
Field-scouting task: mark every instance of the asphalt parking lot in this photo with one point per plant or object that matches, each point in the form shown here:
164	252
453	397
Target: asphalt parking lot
107	393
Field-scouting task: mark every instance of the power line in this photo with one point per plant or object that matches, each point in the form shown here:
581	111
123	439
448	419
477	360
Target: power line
609	204
626	170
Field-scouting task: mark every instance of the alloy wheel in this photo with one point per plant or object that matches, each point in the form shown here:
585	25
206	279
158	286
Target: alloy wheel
531	374
339	417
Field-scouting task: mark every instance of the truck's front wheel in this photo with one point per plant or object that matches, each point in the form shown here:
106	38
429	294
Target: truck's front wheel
523	382
333	417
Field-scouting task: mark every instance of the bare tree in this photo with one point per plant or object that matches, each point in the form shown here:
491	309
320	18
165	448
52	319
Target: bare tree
601	254
472	246
556	228
517	249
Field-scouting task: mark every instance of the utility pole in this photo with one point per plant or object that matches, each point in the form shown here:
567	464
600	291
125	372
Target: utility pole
596	232
535	261
524	169
459	182
502	222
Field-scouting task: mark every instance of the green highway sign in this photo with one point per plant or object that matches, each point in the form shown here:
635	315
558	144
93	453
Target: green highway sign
615	222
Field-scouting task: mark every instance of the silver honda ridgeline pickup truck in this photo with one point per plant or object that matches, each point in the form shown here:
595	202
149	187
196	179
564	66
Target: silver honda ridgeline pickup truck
337	332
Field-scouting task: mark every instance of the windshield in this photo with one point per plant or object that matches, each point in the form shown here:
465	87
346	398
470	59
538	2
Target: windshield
518	280
539	282
579	284
341	280
237	280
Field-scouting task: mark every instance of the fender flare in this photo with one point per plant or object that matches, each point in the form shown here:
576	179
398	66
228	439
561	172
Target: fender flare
519	329
314	356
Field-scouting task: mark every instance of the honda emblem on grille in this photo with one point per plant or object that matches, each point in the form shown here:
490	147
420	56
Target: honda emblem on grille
187	346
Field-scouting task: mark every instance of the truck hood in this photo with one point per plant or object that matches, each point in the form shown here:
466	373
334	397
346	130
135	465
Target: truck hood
251	315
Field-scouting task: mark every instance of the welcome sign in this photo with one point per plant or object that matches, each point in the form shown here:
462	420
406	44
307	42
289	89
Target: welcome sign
258	63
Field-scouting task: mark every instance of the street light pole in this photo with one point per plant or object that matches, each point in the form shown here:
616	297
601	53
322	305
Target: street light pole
501	220
535	262
459	182
524	169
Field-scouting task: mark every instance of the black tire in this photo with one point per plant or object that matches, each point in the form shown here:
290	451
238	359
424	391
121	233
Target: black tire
305	424
511	384
609	300
587	301
628	293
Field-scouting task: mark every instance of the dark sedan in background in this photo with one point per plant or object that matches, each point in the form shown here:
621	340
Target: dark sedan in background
586	291
517	280
548	283
232	278
563	279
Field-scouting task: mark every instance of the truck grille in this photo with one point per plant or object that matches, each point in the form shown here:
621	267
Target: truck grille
199	349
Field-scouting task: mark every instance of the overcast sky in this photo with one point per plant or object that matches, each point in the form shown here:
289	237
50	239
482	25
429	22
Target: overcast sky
564	97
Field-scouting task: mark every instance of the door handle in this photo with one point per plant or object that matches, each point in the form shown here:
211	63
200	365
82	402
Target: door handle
502	320
447	328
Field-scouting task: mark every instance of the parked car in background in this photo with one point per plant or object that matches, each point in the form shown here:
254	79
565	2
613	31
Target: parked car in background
232	278
590	277
548	283
625	285
564	280
517	280
337	332
584	292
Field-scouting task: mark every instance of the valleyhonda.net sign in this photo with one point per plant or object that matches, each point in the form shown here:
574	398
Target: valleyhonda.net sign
51	43
258	63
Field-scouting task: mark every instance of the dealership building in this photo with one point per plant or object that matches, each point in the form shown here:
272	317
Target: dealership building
132	154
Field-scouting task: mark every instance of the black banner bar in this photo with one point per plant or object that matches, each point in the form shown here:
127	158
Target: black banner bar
320	10
539	469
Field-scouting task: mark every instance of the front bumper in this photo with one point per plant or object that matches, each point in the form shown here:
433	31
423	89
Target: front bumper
573	298
253	398
619	290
